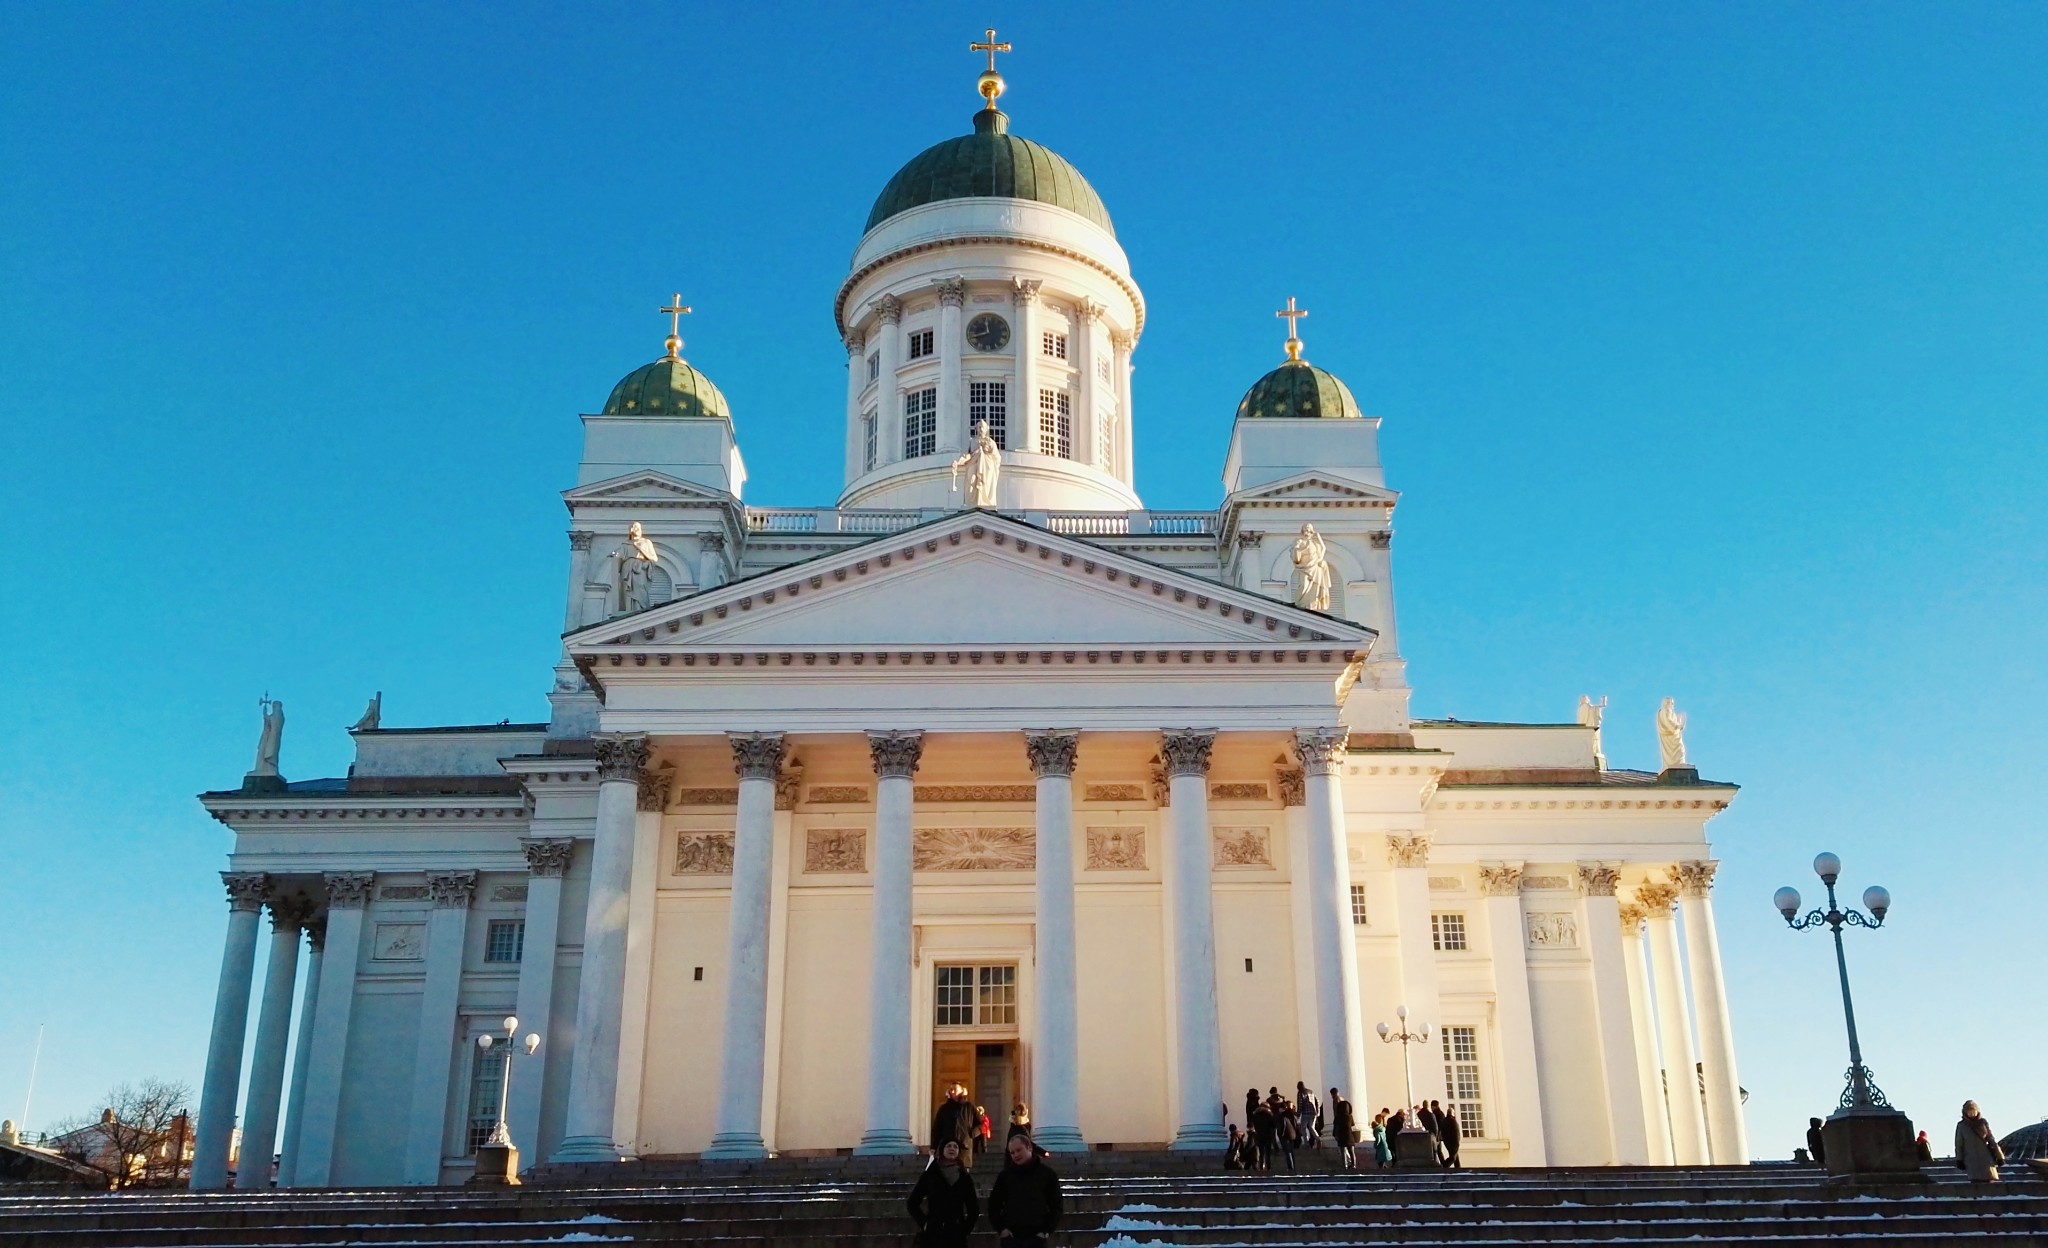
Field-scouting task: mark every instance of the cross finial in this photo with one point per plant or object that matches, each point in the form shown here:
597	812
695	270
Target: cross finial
675	313
990	84
1292	315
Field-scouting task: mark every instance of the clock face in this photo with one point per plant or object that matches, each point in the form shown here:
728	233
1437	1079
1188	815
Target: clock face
988	332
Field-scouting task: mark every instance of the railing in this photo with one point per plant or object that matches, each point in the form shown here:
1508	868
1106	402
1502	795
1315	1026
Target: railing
1074	523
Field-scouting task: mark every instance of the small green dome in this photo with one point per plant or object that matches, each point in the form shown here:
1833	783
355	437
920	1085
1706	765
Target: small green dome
667	387
1299	389
991	163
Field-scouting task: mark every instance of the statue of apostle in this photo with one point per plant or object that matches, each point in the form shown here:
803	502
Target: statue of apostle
1671	734
1590	715
1312	570
984	463
633	565
272	739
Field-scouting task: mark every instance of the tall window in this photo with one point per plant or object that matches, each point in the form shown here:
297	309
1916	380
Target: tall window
990	401
486	1076
869	439
1461	1080
1055	424
976	996
1055	345
1105	441
1447	932
505	940
920	423
1358	915
874	366
1102	367
920	343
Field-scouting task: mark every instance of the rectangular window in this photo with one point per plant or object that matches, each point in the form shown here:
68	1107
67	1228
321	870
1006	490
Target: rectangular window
505	940
1358	916
1055	345
1055	424
1461	1080
874	366
1105	441
955	996
1447	932
976	996
1102	367
998	1003
990	401
486	1076
868	438
920	343
920	423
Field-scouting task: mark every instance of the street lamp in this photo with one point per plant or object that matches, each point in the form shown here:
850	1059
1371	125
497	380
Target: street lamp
1411	1142
497	1161
1864	1133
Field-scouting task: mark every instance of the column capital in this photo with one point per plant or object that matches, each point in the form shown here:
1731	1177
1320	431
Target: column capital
654	785
289	914
1052	751
1694	879
620	755
247	890
952	291
896	753
789	785
711	541
349	890
889	308
1632	917
1408	850
316	932
1501	879
1024	291
1187	750
579	540
1381	538
1121	341
451	890
1598	879
1293	786
1321	750
1249	539
1656	899
548	857
756	755
855	343
1087	311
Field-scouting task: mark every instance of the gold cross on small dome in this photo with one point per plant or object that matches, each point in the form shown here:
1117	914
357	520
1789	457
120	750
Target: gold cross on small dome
675	313
990	84
1292	315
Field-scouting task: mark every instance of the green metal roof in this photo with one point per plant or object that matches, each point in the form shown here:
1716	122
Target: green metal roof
667	387
1299	389
990	163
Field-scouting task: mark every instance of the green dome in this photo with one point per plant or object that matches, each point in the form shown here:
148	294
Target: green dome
991	163
1299	389
667	387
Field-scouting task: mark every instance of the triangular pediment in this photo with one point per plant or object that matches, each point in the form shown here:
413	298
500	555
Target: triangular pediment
644	487
1315	485
974	579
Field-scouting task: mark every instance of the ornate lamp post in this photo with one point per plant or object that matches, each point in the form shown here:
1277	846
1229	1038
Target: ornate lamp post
497	1159
1412	1145
1864	1134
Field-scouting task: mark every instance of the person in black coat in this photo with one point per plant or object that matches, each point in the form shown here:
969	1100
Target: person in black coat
944	1204
1344	1129
955	1121
1264	1131
1451	1133
1816	1143
1024	1206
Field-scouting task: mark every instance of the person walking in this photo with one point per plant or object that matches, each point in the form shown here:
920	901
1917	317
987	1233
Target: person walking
1288	1132
1382	1148
1925	1149
1816	1144
1264	1132
944	1204
1344	1130
982	1130
1431	1118
1024	1205
1311	1111
954	1121
1451	1134
1234	1152
1977	1149
1251	1106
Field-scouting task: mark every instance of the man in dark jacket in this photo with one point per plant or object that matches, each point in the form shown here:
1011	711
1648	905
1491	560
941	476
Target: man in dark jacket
955	1121
1343	1128
1451	1133
1816	1143
944	1204
1024	1206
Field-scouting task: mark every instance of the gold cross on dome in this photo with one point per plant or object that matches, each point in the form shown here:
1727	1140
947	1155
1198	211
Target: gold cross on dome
675	313
991	47
1292	315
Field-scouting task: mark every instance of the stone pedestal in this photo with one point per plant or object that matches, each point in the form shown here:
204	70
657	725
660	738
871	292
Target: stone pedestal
1415	1150
1679	775
1870	1142
254	783
497	1165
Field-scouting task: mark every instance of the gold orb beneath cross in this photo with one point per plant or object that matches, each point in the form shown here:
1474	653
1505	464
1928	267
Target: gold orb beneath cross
991	85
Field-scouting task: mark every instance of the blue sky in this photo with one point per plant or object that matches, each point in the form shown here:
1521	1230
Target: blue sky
1709	342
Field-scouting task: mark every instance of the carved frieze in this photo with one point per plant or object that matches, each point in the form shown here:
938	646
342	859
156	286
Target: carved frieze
1113	793
1552	929
1238	792
705	797
977	792
837	794
974	849
834	851
399	942
1547	884
403	892
1445	884
704	853
1116	849
1241	848
508	892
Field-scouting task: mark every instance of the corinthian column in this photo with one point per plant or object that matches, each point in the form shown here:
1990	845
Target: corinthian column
1340	1046
434	1047
1056	1072
1649	1072
1199	1039
953	430
547	862
888	394
1408	854
757	758
600	999
1674	1029
1024	408
579	577
348	896
302	1053
246	895
896	756
1727	1138
1515	1022
273	1035
1618	1061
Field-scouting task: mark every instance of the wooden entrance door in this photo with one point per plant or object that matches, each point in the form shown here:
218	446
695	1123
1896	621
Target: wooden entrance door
952	1062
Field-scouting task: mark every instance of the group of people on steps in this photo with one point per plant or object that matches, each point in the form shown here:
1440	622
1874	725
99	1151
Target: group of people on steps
1277	1127
1024	1204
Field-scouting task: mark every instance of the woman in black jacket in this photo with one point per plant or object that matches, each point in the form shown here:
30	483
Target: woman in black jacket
944	1204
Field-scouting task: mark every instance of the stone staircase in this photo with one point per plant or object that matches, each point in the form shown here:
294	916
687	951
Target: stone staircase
1113	1200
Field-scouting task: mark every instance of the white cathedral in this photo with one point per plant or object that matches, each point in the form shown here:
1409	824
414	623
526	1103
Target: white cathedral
986	774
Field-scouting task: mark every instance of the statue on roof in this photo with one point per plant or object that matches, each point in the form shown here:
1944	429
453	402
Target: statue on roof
1590	715
1671	734
984	464
633	565
373	714
1312	570
272	740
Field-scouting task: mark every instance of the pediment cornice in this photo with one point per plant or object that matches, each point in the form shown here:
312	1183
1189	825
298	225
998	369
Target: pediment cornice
646	489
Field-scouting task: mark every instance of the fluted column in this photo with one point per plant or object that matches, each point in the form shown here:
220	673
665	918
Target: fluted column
348	897
1408	854
1514	1021
757	757
1727	1134
434	1046
896	756
273	1036
1087	411
600	997
1674	1028
1382	570
1619	1063
302	1053
216	1129
953	430
1649	1070
1123	344
1199	1038
547	862
856	384
579	578
1056	1054
889	394
1024	408
1340	1042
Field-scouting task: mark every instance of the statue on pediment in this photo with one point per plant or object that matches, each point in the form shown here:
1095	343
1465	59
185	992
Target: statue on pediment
373	715
1671	734
984	464
272	740
1590	715
1312	570
633	565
